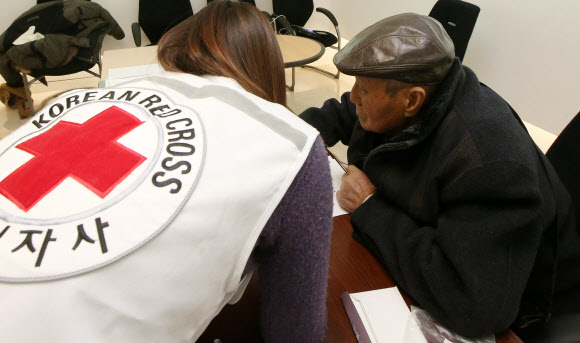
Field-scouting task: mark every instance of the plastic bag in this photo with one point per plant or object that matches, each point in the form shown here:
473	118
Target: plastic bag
421	323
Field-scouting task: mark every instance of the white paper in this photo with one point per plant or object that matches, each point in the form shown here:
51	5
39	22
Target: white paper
384	314
336	172
28	36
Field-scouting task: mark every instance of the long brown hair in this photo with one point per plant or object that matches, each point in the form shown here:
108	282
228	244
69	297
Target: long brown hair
231	39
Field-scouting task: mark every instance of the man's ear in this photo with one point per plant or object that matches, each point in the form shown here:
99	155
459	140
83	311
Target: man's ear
415	100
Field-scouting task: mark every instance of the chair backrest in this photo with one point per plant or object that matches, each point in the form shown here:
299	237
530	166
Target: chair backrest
85	59
564	155
48	18
158	16
296	11
458	18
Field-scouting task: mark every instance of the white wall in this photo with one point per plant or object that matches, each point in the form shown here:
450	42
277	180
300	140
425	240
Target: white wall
526	50
11	10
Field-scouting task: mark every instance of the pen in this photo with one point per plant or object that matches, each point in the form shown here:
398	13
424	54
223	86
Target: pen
343	165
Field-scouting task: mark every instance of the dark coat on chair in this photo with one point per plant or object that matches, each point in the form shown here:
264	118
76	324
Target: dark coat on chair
77	23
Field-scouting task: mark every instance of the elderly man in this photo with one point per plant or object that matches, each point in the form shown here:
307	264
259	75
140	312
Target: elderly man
446	187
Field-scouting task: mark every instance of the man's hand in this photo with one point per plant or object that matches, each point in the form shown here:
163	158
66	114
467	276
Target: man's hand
355	188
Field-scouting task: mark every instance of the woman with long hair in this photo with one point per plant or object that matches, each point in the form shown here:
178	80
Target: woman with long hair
228	39
234	40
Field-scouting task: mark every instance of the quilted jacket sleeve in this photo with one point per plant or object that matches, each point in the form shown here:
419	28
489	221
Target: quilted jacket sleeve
470	268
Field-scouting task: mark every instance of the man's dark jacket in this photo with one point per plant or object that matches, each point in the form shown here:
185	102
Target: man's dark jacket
467	212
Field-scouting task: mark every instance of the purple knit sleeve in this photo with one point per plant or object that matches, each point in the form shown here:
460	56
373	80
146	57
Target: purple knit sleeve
292	256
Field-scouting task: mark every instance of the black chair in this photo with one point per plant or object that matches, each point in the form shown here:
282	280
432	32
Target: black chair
85	59
157	17
458	18
297	13
48	19
564	155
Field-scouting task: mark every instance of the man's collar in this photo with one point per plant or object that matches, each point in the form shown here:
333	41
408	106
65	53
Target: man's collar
434	111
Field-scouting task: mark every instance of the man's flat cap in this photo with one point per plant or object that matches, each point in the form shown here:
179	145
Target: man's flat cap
407	47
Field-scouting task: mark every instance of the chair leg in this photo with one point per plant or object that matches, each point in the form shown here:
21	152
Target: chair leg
28	105
291	87
99	64
94	74
337	75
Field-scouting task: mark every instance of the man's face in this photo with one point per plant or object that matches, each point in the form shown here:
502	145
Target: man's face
377	110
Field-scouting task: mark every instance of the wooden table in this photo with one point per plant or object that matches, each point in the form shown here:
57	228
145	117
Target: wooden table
352	269
296	51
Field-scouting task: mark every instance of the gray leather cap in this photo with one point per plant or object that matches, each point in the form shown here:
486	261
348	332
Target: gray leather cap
408	47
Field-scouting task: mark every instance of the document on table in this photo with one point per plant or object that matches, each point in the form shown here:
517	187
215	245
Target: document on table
336	172
380	316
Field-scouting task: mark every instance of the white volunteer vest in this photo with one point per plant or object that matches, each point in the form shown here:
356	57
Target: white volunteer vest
139	227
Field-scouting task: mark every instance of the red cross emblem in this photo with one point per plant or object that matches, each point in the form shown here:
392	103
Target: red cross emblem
89	153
